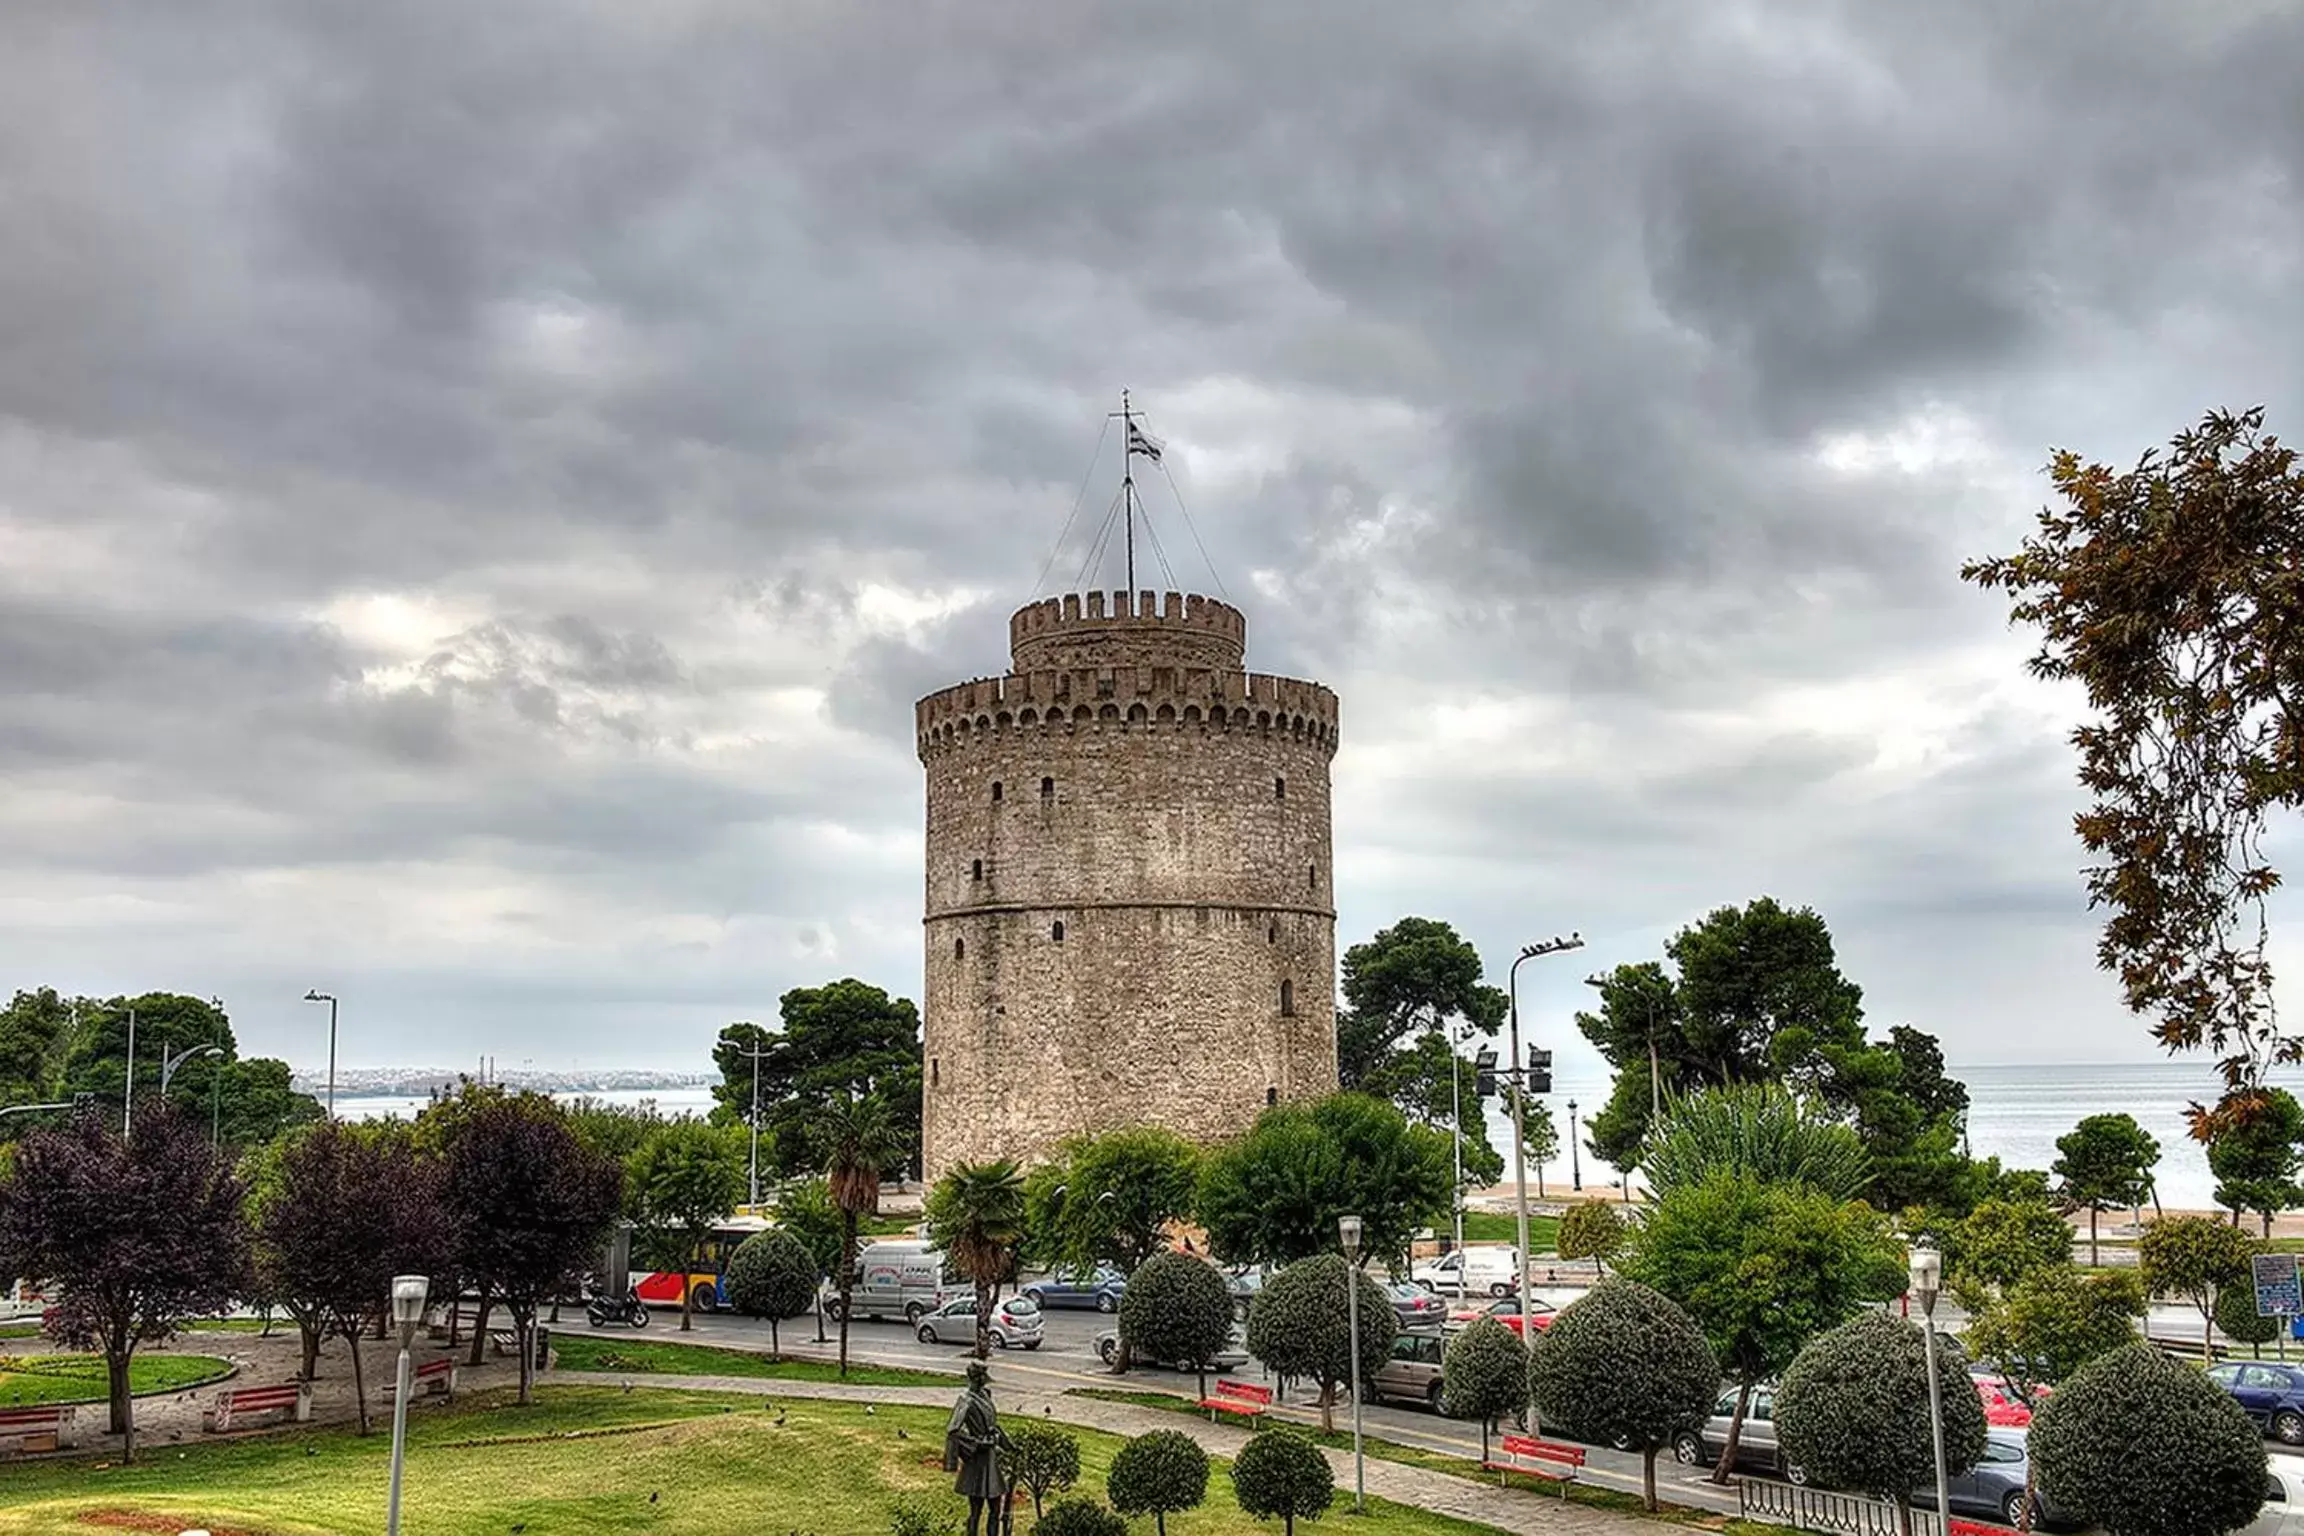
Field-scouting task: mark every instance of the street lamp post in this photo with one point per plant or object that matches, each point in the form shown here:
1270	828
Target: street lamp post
318	996
169	1064
408	1293
1348	1228
1925	1273
1575	1164
1456	1117
1519	1107
128	1097
755	1053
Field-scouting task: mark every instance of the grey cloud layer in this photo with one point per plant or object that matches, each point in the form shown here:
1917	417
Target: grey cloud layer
703	382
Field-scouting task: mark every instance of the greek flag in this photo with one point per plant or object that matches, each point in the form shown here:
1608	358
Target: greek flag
1139	443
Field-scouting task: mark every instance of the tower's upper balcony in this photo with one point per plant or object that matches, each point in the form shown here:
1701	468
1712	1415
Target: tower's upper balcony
1099	631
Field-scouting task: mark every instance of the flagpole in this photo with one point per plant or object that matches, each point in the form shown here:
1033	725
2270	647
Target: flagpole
1128	490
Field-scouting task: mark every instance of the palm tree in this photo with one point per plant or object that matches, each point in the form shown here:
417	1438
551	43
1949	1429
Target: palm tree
976	1215
1755	1128
854	1141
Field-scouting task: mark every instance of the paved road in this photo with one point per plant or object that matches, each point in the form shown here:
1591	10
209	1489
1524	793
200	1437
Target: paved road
1067	1359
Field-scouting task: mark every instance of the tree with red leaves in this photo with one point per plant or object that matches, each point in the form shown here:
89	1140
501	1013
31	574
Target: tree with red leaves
2174	593
346	1210
136	1235
529	1207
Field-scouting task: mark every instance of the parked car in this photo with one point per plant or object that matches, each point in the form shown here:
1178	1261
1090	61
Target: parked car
1483	1271
1418	1307
1505	1310
1015	1323
1756	1445
1231	1357
1412	1375
2283	1511
2270	1393
1246	1284
1994	1487
1101	1288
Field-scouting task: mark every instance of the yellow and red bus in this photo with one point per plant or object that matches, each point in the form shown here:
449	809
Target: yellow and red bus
704	1283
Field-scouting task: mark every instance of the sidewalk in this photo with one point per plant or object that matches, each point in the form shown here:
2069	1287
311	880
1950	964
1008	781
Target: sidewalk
1519	1509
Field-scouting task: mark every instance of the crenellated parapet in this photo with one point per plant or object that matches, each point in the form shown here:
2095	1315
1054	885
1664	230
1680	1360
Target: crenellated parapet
1136	698
1099	630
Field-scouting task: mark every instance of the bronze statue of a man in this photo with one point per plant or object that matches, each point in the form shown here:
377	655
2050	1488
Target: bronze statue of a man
972	1442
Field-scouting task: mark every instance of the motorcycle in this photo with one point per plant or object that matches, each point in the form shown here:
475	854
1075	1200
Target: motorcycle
628	1308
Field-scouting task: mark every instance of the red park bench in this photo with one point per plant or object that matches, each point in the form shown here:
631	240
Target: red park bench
294	1398
35	1429
1237	1397
1548	1459
436	1376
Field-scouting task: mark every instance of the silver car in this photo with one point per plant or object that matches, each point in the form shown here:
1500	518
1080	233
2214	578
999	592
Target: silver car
1014	1324
1231	1357
1412	1374
1994	1487
1756	1445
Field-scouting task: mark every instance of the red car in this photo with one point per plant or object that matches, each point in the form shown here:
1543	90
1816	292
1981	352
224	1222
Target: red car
2003	1407
1505	1309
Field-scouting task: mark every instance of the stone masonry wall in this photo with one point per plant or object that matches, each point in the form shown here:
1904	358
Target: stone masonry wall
1175	823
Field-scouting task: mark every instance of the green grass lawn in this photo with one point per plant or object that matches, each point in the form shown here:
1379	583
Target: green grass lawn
582	1460
238	1325
1503	1227
29	1379
591	1352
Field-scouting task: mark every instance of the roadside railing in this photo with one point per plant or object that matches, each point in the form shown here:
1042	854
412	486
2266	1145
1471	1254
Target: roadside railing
1841	1514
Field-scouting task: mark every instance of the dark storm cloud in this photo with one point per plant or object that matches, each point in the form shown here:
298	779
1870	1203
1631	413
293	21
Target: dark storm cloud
551	446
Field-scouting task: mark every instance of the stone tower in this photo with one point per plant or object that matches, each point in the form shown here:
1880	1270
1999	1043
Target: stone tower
1130	910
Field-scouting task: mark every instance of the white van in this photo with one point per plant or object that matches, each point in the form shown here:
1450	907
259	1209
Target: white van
1485	1271
896	1278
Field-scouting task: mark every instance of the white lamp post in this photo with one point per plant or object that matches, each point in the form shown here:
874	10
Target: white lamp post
315	995
1519	1118
755	1053
408	1293
1348	1228
1925	1273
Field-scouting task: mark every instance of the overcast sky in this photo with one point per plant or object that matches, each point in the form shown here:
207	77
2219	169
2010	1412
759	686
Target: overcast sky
481	486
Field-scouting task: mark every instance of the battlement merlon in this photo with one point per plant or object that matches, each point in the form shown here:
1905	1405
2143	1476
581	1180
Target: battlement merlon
1147	697
1106	630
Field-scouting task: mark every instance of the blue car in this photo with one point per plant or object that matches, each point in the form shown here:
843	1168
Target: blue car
2272	1394
1101	1288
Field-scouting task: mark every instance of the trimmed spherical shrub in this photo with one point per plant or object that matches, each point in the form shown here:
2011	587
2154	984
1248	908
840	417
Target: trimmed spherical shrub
1853	1409
1591	1230
1079	1517
1484	1374
1626	1367
1298	1326
2237	1317
2144	1445
1280	1473
1039	1458
1157	1474
771	1275
1177	1308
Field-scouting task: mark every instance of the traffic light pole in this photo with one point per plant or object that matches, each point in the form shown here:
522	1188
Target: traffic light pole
1526	1079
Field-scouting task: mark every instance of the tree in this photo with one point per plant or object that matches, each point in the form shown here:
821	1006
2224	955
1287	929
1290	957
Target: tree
1156	1474
1273	1196
1111	1197
1279	1472
1759	998
2255	1158
2002	1241
613	1130
529	1204
1300	1328
1040	1458
1853	1409
1484	1375
772	1275
63	1047
35	1031
2193	1257
1625	1366
137	1235
1177	1308
1758	1129
2238	1319
842	1041
1540	1133
686	1176
1908	1115
805	1209
976	1216
2143	1444
1433	1084
2169	592
2103	1163
2051	1322
345	1211
1416	977
1591	1230
1762	1268
854	1139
